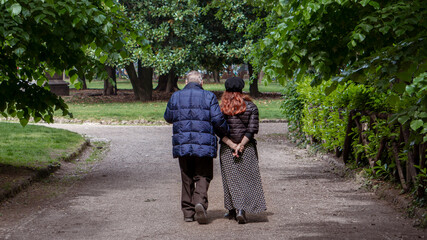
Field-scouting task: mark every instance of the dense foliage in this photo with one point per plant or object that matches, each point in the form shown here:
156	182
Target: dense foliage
370	60
184	35
378	43
172	29
52	36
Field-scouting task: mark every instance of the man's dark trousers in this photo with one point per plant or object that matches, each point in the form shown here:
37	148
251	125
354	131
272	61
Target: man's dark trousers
196	174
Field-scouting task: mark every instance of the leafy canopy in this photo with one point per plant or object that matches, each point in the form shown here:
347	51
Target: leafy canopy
39	36
377	43
185	34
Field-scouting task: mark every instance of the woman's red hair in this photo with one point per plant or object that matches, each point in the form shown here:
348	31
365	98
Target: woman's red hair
233	103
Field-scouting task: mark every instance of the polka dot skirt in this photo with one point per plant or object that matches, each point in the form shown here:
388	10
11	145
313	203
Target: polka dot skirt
241	180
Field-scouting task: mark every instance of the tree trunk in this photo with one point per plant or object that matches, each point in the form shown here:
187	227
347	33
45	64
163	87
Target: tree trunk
168	82
422	186
423	148
399	166
108	86
146	82
380	149
83	80
216	76
172	85
348	137
411	172
364	141
133	77
115	80
142	82
163	81
253	87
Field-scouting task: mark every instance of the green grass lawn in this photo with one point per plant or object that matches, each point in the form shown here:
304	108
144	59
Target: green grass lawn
35	146
152	111
125	84
272	87
269	109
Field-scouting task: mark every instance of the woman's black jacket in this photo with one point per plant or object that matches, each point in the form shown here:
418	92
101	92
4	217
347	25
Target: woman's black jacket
243	124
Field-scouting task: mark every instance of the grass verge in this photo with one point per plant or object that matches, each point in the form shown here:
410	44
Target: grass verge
35	146
151	112
125	84
117	112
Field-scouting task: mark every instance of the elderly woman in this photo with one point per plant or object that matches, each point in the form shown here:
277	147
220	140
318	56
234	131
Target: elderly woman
238	154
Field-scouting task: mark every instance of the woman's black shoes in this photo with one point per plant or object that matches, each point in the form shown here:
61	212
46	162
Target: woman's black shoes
241	217
231	214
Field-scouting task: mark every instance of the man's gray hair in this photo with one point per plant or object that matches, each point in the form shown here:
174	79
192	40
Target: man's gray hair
194	76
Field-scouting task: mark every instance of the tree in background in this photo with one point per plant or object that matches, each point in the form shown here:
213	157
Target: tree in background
51	36
184	35
224	46
175	36
246	25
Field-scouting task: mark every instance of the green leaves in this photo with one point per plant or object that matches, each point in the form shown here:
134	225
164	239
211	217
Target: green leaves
352	33
40	36
107	27
99	18
378	44
186	34
416	124
19	51
358	36
103	58
374	4
366	27
329	89
40	17
109	3
415	95
15	9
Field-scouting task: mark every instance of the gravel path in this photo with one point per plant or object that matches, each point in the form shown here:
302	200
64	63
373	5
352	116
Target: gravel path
134	192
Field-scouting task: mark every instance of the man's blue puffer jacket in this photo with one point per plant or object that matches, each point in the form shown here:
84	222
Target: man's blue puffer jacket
196	118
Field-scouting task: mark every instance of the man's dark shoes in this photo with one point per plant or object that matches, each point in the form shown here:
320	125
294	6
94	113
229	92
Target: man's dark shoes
201	215
241	217
189	219
231	214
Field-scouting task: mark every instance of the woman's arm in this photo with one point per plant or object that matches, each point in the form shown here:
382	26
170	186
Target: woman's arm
252	128
241	145
253	124
230	143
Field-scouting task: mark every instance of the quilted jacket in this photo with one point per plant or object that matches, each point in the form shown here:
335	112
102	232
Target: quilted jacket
196	118
244	124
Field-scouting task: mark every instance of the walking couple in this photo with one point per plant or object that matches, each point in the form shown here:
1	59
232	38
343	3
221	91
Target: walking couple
197	118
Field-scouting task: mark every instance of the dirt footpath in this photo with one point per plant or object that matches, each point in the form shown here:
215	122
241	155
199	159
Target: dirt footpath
134	193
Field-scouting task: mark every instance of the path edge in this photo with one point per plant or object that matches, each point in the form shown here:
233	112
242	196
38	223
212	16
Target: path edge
39	174
383	190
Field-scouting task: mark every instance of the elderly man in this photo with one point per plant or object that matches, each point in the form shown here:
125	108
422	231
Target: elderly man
196	118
